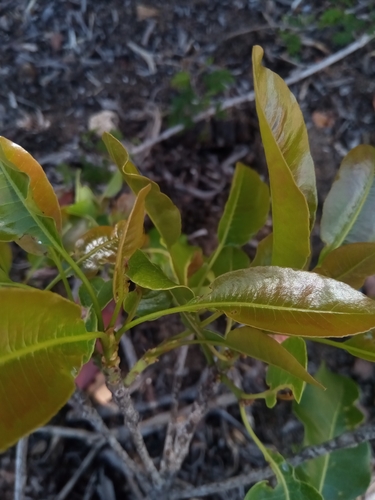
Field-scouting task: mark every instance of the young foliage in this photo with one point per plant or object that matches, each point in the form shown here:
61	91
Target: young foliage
44	341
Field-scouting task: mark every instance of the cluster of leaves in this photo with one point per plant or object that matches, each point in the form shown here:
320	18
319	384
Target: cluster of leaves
188	101
44	340
337	18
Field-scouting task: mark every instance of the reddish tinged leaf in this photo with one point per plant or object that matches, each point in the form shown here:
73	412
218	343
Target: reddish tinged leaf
42	191
290	302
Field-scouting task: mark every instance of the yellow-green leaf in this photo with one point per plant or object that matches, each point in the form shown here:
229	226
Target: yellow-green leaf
163	213
43	344
246	209
348	211
290	302
290	166
263	257
350	263
259	345
278	378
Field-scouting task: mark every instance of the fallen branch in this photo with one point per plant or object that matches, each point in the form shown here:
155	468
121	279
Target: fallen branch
249	97
346	440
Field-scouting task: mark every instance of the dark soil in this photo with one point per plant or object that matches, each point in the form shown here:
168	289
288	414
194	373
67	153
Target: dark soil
61	62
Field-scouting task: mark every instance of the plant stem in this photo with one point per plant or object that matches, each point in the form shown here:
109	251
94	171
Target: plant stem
211	262
260	445
57	262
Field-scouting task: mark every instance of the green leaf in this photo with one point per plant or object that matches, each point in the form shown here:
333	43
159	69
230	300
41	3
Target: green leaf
290	302
361	346
42	192
230	259
163	213
103	291
290	166
288	486
259	345
350	264
152	301
85	204
246	209
348	211
114	186
183	257
145	274
278	378
326	415
130	240
5	258
41	351
21	218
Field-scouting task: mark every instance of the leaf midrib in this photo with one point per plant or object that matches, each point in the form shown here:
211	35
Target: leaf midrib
232	209
46	344
247	305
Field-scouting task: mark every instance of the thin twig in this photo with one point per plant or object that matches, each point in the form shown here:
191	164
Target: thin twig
121	396
249	97
184	430
177	381
346	440
81	470
21	469
131	469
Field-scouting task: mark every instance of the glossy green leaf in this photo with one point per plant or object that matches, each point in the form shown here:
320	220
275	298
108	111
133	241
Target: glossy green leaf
291	169
41	351
348	211
5	257
163	213
259	345
230	259
42	192
246	209
98	246
290	302
325	415
288	486
130	240
278	378
21	218
350	264
263	257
